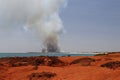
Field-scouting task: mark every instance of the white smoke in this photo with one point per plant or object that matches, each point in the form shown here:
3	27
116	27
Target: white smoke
41	16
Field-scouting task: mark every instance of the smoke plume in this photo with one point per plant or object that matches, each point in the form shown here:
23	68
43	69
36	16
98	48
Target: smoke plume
40	16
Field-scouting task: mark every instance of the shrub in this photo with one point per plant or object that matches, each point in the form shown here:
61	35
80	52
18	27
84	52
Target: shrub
83	61
111	65
42	76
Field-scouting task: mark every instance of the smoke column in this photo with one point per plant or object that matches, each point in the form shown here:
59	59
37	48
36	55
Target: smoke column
40	16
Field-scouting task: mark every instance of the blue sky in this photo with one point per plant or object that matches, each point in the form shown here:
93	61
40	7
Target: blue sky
91	25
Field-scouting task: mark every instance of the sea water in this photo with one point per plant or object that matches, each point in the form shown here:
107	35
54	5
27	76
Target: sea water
43	54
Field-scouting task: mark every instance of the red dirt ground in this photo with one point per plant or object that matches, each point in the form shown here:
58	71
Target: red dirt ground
61	68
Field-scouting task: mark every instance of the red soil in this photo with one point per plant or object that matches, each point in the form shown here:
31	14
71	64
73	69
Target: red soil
104	67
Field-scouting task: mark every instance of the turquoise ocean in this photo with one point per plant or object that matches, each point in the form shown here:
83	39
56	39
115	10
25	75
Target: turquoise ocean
43	54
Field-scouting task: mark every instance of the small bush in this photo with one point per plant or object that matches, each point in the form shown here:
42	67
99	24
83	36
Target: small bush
101	54
111	65
42	76
83	61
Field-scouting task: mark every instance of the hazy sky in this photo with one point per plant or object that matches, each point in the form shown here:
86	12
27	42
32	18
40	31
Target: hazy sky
91	25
